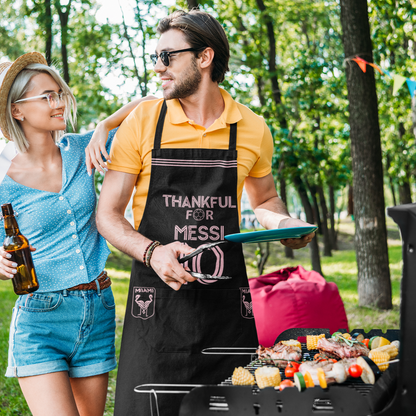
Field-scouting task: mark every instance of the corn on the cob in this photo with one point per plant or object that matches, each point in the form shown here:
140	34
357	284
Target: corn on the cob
380	357
242	377
312	341
396	344
390	349
267	377
292	343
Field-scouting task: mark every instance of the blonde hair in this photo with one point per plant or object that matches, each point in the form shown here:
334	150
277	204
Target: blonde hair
20	87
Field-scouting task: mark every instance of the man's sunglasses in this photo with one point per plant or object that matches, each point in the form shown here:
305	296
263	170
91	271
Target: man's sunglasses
164	56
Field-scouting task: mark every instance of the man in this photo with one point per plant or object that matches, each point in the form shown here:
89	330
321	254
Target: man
188	157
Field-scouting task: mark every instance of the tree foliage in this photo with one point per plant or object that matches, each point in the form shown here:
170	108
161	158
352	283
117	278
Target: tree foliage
287	65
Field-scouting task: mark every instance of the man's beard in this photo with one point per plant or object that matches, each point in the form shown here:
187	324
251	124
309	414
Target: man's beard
190	84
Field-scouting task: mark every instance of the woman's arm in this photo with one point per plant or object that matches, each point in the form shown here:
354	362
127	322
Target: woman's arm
96	147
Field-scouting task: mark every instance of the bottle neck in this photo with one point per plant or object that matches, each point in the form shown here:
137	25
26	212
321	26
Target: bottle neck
10	226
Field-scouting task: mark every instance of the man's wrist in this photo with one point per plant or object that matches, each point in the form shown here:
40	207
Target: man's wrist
147	254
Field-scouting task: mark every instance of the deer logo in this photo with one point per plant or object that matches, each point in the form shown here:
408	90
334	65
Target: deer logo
143	302
246	303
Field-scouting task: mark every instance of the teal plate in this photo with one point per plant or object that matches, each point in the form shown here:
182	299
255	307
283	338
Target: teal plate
270	235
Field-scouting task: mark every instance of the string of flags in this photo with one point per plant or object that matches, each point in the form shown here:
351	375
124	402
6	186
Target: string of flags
398	80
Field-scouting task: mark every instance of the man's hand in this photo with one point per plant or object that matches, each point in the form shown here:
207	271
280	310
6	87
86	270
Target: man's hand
165	263
270	210
296	243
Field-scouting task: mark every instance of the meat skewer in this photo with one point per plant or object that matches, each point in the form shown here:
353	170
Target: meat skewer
280	354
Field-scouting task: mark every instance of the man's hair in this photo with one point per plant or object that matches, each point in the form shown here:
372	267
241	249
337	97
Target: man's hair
201	30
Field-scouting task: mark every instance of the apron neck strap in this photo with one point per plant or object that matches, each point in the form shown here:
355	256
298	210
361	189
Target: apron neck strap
159	127
233	137
161	122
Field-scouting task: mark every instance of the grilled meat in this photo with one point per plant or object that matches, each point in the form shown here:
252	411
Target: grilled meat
280	354
312	366
339	349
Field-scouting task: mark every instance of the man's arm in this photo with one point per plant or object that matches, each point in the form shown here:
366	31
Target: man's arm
270	210
113	226
96	147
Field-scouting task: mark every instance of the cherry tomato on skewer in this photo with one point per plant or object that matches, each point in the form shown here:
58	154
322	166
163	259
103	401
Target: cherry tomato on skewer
291	369
355	370
286	383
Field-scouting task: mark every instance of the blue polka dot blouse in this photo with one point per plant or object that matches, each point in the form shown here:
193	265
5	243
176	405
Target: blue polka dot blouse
61	226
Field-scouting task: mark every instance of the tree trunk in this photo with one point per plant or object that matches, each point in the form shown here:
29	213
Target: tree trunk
48	32
332	209
313	245
350	201
262	257
288	251
325	231
192	4
374	286
63	18
393	191
391	183
276	93
281	118
405	193
414	116
315	207
145	79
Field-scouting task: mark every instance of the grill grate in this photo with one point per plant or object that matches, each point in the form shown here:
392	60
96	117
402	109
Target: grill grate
324	405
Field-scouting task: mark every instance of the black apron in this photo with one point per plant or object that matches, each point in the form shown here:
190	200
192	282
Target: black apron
192	198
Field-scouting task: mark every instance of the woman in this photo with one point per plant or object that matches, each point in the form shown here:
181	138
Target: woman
61	344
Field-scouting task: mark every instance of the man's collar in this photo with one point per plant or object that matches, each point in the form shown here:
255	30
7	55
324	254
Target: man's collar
230	115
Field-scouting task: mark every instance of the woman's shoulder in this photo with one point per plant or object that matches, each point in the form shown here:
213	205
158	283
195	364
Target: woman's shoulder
77	140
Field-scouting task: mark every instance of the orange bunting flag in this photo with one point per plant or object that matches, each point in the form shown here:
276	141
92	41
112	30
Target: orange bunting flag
398	80
376	67
361	63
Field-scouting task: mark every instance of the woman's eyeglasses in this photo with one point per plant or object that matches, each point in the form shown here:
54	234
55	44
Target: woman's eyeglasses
53	98
164	56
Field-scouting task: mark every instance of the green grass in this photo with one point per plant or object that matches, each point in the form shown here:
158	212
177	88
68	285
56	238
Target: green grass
341	268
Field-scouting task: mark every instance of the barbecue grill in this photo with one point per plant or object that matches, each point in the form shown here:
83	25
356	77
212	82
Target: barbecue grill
394	394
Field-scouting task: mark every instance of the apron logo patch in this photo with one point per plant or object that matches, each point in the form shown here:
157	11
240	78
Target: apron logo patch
143	304
246	303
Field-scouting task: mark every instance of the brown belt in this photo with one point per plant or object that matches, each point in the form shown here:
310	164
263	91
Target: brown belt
103	280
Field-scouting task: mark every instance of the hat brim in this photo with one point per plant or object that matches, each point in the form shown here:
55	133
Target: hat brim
12	72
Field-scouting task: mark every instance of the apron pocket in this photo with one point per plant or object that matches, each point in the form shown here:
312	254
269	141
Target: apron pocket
190	320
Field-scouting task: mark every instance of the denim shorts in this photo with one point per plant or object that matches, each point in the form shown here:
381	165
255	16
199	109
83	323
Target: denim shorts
70	331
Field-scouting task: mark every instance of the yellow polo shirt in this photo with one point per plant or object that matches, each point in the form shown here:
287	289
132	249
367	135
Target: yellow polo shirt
131	151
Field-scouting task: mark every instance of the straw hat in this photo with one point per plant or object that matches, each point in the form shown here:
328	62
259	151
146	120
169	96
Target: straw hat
8	73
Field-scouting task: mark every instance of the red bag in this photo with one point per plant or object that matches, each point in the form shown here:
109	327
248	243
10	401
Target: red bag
295	298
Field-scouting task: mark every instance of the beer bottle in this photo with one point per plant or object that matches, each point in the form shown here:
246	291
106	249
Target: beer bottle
25	280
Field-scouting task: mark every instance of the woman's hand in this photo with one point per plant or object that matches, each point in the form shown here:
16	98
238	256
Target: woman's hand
7	267
96	149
